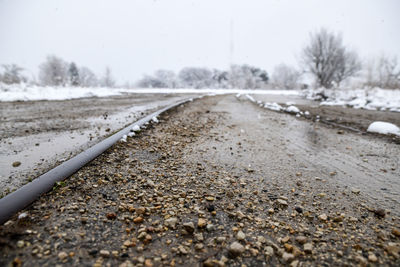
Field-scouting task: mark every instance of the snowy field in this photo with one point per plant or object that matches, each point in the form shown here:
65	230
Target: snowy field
23	92
371	99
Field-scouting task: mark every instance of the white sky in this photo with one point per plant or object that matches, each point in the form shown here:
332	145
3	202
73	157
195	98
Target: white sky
135	37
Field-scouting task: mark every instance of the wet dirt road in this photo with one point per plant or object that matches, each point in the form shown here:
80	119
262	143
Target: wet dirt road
353	157
42	134
218	182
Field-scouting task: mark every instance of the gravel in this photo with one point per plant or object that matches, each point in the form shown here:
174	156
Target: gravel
214	151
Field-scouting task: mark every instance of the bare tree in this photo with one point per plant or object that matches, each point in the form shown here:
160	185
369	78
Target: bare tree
286	77
383	72
12	74
247	77
220	79
193	77
149	81
160	79
87	78
167	77
54	71
328	59
108	79
348	65
73	74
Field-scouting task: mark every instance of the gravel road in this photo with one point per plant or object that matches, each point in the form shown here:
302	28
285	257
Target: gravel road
221	181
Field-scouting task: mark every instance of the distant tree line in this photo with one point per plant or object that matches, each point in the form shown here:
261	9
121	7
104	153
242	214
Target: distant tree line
238	76
329	62
55	71
325	58
12	73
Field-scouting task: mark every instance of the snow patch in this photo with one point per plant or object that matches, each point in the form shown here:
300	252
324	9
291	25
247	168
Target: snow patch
22	215
273	106
136	128
250	98
293	109
123	139
383	128
369	98
154	119
23	92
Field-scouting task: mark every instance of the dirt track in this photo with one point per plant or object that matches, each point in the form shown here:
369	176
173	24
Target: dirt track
221	182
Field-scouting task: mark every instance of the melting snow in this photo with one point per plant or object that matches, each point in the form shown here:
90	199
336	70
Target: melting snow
123	139
373	99
22	215
250	98
273	106
383	128
136	128
293	109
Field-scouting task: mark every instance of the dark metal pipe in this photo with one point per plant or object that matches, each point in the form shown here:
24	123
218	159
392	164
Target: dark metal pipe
16	201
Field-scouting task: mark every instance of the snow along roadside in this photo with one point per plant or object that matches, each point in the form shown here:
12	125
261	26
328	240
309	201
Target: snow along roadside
24	92
385	128
369	98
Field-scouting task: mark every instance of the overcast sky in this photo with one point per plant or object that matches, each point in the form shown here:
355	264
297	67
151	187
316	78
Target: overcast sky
135	37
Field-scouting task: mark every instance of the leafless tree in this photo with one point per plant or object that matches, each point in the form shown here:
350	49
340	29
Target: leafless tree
87	78
193	77
73	74
383	72
286	77
149	81
247	77
54	71
107	80
167	77
328	59
220	78
348	65
12	74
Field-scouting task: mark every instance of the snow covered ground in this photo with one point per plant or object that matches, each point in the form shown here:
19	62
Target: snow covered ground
24	92
371	99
